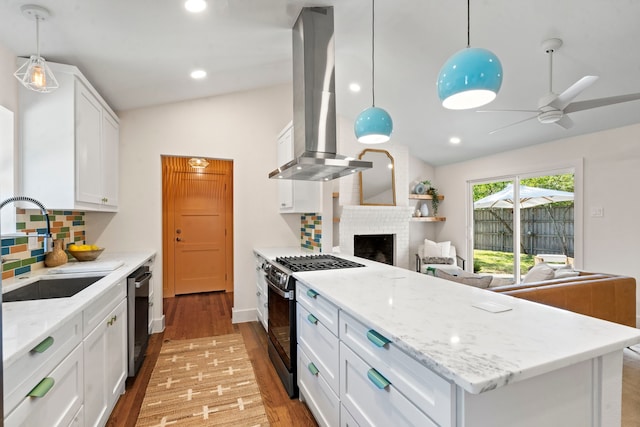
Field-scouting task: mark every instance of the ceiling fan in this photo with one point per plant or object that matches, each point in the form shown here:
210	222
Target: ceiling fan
554	108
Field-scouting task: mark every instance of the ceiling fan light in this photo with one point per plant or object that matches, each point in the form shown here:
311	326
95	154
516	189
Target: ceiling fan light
373	126
469	79
35	74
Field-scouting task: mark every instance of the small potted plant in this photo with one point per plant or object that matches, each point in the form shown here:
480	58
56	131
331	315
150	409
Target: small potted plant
433	192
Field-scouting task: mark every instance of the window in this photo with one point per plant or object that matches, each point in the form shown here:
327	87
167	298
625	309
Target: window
509	238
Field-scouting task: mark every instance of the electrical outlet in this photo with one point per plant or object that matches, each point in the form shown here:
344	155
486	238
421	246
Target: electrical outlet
32	242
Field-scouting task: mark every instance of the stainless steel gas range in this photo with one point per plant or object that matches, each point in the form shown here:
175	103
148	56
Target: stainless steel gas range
282	309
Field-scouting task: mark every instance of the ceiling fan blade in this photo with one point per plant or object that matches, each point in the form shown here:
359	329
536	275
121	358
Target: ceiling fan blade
600	102
565	122
574	90
512	124
506	111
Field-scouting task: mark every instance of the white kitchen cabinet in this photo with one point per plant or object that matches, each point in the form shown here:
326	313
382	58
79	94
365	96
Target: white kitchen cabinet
105	361
371	399
262	294
69	145
295	196
57	399
318	355
22	375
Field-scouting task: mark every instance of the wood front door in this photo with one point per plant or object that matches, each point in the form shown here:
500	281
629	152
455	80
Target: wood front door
197	227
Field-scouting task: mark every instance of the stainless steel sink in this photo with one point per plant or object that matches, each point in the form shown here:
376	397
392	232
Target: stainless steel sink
50	288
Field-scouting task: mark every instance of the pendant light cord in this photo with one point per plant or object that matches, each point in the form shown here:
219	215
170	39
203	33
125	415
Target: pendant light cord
468	24
373	66
37	36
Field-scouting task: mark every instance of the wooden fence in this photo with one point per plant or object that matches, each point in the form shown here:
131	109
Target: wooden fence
545	230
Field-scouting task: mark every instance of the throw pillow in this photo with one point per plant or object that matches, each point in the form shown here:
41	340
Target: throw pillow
433	249
471	280
562	273
437	260
538	273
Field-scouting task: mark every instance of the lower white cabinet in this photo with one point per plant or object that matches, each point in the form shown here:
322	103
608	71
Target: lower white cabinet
262	296
56	400
105	362
371	399
314	390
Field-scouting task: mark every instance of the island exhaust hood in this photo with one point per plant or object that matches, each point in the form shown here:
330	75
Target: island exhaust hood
314	103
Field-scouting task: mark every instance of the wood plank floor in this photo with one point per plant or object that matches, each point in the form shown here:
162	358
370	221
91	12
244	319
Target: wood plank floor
202	315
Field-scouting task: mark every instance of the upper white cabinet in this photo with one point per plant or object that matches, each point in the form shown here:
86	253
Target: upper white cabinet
69	145
295	196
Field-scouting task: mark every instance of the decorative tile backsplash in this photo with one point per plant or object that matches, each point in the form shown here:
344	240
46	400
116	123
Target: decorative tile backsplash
311	231
67	225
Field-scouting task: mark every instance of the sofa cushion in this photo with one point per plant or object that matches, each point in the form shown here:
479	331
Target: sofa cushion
433	249
437	260
538	273
466	279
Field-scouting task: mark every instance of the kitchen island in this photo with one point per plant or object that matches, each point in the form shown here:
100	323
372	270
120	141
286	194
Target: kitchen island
65	359
497	360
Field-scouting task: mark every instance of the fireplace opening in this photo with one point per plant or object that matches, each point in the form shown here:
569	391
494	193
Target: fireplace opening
376	247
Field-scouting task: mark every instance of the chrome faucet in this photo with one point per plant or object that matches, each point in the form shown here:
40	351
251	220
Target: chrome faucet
47	242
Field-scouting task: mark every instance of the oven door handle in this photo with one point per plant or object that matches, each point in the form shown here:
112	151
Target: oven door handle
277	290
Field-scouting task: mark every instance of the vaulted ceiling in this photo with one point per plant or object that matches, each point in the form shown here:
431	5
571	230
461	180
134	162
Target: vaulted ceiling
139	53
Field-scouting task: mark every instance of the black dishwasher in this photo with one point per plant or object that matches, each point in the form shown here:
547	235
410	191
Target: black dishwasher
138	317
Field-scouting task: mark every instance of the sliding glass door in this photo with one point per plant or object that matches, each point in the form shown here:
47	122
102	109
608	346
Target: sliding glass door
520	221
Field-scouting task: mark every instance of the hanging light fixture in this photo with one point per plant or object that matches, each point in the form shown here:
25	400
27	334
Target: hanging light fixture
373	125
470	78
198	163
35	73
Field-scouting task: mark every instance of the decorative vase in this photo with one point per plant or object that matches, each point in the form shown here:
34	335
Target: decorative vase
424	210
58	256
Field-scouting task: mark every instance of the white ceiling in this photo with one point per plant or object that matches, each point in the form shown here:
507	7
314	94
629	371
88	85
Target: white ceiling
139	53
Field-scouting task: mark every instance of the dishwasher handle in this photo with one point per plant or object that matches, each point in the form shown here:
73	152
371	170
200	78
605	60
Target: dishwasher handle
141	281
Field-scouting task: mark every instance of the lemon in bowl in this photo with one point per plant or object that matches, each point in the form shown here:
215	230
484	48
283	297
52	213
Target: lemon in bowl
85	252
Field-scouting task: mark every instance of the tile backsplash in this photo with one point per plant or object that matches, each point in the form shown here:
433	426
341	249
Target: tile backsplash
67	225
311	231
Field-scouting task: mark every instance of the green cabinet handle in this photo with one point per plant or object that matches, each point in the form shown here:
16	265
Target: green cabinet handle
42	388
377	339
377	379
313	319
312	368
44	345
311	293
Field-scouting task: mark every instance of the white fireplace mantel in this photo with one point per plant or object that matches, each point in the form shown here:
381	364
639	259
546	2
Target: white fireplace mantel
362	220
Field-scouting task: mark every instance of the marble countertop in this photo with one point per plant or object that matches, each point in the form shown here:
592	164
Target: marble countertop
26	323
438	323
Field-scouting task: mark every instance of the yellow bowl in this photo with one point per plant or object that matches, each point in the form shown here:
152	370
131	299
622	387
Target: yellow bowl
86	255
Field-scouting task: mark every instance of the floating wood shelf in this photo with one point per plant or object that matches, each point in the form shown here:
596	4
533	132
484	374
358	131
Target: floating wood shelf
428	218
425	196
335	195
336	219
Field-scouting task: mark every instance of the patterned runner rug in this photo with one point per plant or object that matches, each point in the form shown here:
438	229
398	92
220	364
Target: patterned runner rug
203	382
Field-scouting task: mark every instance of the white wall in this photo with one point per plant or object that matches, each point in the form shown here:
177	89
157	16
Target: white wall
8	160
242	127
611	172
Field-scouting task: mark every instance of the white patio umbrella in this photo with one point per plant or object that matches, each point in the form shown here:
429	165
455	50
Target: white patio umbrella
529	197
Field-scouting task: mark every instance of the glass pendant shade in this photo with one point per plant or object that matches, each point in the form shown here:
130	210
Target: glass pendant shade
373	126
469	79
36	75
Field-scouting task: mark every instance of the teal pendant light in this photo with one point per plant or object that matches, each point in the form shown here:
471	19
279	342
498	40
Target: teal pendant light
373	125
470	78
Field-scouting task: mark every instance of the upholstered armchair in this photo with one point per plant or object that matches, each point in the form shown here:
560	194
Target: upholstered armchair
441	256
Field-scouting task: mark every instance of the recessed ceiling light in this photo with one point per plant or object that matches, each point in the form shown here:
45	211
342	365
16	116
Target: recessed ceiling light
354	87
198	74
454	140
195	6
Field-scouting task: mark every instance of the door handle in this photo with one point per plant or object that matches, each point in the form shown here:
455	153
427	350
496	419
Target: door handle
178	239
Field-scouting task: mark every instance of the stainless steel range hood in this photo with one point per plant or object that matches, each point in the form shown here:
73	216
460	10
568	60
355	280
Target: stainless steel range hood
314	103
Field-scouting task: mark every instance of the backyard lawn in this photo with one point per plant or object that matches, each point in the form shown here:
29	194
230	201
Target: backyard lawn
496	262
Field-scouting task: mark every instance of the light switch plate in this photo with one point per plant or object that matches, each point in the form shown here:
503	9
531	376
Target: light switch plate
597	211
32	242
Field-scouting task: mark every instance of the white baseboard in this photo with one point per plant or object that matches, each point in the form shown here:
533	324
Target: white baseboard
157	325
242	316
